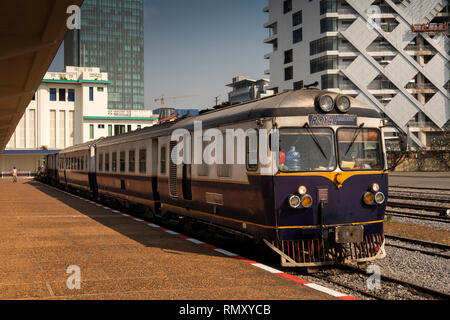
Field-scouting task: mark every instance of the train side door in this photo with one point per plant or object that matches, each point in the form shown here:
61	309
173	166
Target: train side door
154	175
186	184
173	171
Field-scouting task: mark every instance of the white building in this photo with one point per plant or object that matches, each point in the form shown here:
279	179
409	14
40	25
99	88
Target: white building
370	49
246	89
69	108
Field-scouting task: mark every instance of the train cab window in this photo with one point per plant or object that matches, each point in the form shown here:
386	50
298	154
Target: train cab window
143	161
359	149
107	162
122	161
306	149
114	162
163	162
100	162
131	161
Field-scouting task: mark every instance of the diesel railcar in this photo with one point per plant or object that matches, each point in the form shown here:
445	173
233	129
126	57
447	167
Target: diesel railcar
312	187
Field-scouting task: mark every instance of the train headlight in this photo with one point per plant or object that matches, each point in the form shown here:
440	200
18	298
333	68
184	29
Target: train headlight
375	187
302	190
369	198
294	201
326	103
343	104
307	201
379	197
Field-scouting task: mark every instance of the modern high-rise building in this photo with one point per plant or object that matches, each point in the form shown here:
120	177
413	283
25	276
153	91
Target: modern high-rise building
392	54
112	38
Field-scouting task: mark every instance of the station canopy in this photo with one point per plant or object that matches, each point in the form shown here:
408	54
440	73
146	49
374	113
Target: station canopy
31	33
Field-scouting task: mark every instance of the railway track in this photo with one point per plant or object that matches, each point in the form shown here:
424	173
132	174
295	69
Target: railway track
419	216
417	205
437	249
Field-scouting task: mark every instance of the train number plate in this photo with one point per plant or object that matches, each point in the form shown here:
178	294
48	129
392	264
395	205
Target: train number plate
346	234
320	120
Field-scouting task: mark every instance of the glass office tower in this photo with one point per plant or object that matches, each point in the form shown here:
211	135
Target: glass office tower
112	38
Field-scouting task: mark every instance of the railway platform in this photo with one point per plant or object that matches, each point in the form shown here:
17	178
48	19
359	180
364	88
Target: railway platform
54	245
440	180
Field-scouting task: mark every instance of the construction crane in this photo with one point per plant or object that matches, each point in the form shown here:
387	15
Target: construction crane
168	114
163	99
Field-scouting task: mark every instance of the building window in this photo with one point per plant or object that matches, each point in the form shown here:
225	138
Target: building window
297	18
324	63
122	162
328	6
288	56
62	94
52	129
330	81
34	97
139	126
71	95
143	161
52	94
91	131
101	126
131	161
328	25
297	35
298	85
109	130
287	6
114	162
99	89
288	73
62	129
323	44
91	93
129	128
106	161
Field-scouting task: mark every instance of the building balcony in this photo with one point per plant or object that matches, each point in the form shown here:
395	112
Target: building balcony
420	49
420	88
347	13
270	24
267	72
271	39
344	85
268	55
266	9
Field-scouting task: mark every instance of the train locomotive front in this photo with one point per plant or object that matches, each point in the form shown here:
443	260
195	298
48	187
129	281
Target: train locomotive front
331	185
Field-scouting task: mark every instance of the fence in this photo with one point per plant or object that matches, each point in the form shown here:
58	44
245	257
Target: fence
20	174
430	161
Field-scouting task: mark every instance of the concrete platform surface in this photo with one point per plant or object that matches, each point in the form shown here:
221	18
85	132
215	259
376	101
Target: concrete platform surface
420	179
44	231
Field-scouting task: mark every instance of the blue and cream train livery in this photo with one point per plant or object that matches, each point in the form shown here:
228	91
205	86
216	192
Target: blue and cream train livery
318	198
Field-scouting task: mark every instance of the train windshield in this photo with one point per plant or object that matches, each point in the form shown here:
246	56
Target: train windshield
359	149
307	149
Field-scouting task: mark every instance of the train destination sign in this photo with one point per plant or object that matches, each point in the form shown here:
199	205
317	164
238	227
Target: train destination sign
316	120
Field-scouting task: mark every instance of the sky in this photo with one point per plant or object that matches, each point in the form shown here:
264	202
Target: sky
196	47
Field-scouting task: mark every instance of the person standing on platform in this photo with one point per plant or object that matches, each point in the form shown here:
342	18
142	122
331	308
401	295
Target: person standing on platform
14	174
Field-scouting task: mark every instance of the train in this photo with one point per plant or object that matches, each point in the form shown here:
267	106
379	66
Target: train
311	183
